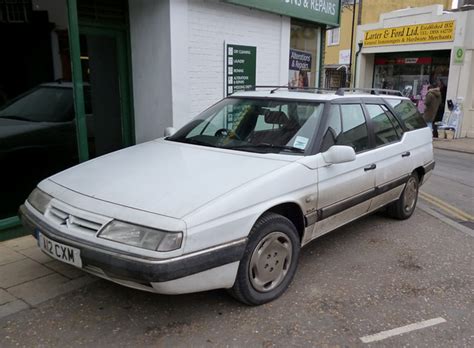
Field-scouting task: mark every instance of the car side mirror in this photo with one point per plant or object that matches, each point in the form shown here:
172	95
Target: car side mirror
339	154
169	131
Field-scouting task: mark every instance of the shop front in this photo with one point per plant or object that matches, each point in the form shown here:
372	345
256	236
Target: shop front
66	91
412	73
421	53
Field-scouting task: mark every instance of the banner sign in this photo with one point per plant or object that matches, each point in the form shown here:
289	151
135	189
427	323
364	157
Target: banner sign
300	68
300	60
410	34
318	11
241	68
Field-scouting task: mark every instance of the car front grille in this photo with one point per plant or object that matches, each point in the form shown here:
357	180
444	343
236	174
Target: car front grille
72	221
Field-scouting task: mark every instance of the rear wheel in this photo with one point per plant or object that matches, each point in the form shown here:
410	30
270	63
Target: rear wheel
269	262
404	207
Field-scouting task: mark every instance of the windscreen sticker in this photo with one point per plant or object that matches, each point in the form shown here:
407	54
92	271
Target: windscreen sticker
300	142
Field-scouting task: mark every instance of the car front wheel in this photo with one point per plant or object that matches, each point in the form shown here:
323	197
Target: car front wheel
269	262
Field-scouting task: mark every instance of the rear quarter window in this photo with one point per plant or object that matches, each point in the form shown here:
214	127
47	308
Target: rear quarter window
408	113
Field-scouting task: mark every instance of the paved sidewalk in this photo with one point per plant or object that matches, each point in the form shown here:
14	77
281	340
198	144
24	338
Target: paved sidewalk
28	277
461	145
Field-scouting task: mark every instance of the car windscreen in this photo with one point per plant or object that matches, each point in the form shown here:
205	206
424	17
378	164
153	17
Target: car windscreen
42	104
255	125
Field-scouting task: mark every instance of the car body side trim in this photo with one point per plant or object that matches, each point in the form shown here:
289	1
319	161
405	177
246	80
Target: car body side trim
324	213
429	167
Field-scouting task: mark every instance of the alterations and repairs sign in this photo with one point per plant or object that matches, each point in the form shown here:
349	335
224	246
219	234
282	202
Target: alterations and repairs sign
241	68
411	34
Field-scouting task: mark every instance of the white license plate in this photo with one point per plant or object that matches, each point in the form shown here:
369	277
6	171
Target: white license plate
60	251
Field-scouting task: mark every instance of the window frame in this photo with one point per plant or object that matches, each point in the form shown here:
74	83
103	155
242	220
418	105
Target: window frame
330	36
375	146
325	122
401	121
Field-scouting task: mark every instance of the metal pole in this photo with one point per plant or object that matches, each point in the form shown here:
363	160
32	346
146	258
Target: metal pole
352	42
77	83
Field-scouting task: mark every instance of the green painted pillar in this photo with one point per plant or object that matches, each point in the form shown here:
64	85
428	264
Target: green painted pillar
75	53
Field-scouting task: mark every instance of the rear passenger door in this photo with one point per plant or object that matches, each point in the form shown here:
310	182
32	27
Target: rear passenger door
390	154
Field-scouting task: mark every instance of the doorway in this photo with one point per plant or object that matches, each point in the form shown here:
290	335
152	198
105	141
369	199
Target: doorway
106	90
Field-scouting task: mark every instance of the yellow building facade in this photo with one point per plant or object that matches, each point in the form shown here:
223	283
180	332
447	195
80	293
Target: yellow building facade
336	55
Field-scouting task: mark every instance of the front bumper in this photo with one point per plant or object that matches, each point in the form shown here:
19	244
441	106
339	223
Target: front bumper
131	267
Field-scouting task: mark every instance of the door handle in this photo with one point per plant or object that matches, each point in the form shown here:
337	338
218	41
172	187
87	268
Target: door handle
406	154
371	167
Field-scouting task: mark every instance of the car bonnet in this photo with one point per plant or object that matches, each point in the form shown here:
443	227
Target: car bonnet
167	178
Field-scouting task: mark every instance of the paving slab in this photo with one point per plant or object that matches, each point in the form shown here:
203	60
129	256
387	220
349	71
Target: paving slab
20	243
21	271
36	254
12	307
7	256
46	288
64	269
5	297
460	145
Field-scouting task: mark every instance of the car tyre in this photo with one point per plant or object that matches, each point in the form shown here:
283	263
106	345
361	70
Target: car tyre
404	207
269	262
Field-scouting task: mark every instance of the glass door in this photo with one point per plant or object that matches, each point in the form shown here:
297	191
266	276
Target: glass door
106	90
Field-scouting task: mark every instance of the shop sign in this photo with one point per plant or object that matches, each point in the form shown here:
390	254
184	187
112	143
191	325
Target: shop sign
300	68
241	68
458	55
345	57
318	11
411	34
300	60
401	61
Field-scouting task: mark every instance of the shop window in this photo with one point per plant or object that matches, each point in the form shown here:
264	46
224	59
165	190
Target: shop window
304	48
333	36
37	120
18	11
411	73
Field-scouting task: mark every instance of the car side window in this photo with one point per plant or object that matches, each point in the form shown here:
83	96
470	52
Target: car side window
395	122
346	126
408	113
384	129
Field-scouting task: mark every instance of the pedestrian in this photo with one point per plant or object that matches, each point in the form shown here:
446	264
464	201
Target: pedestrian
439	115
432	102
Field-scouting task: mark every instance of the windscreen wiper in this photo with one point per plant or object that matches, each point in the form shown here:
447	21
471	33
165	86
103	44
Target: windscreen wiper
268	146
191	141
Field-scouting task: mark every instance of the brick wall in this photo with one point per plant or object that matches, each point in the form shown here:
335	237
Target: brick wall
210	23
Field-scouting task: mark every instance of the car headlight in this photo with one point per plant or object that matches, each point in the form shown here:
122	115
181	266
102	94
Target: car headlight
142	237
39	200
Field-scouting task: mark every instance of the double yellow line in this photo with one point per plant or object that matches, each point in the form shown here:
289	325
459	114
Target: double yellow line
453	211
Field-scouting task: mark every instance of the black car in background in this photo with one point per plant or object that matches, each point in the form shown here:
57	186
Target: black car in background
37	139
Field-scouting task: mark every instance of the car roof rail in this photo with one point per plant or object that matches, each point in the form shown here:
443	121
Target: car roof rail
275	88
376	91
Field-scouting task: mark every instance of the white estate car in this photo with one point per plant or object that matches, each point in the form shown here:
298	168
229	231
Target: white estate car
229	199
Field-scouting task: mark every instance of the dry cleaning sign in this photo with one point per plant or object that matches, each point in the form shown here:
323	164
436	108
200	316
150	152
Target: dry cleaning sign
241	68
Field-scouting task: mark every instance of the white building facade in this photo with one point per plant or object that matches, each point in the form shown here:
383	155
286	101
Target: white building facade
409	49
178	55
